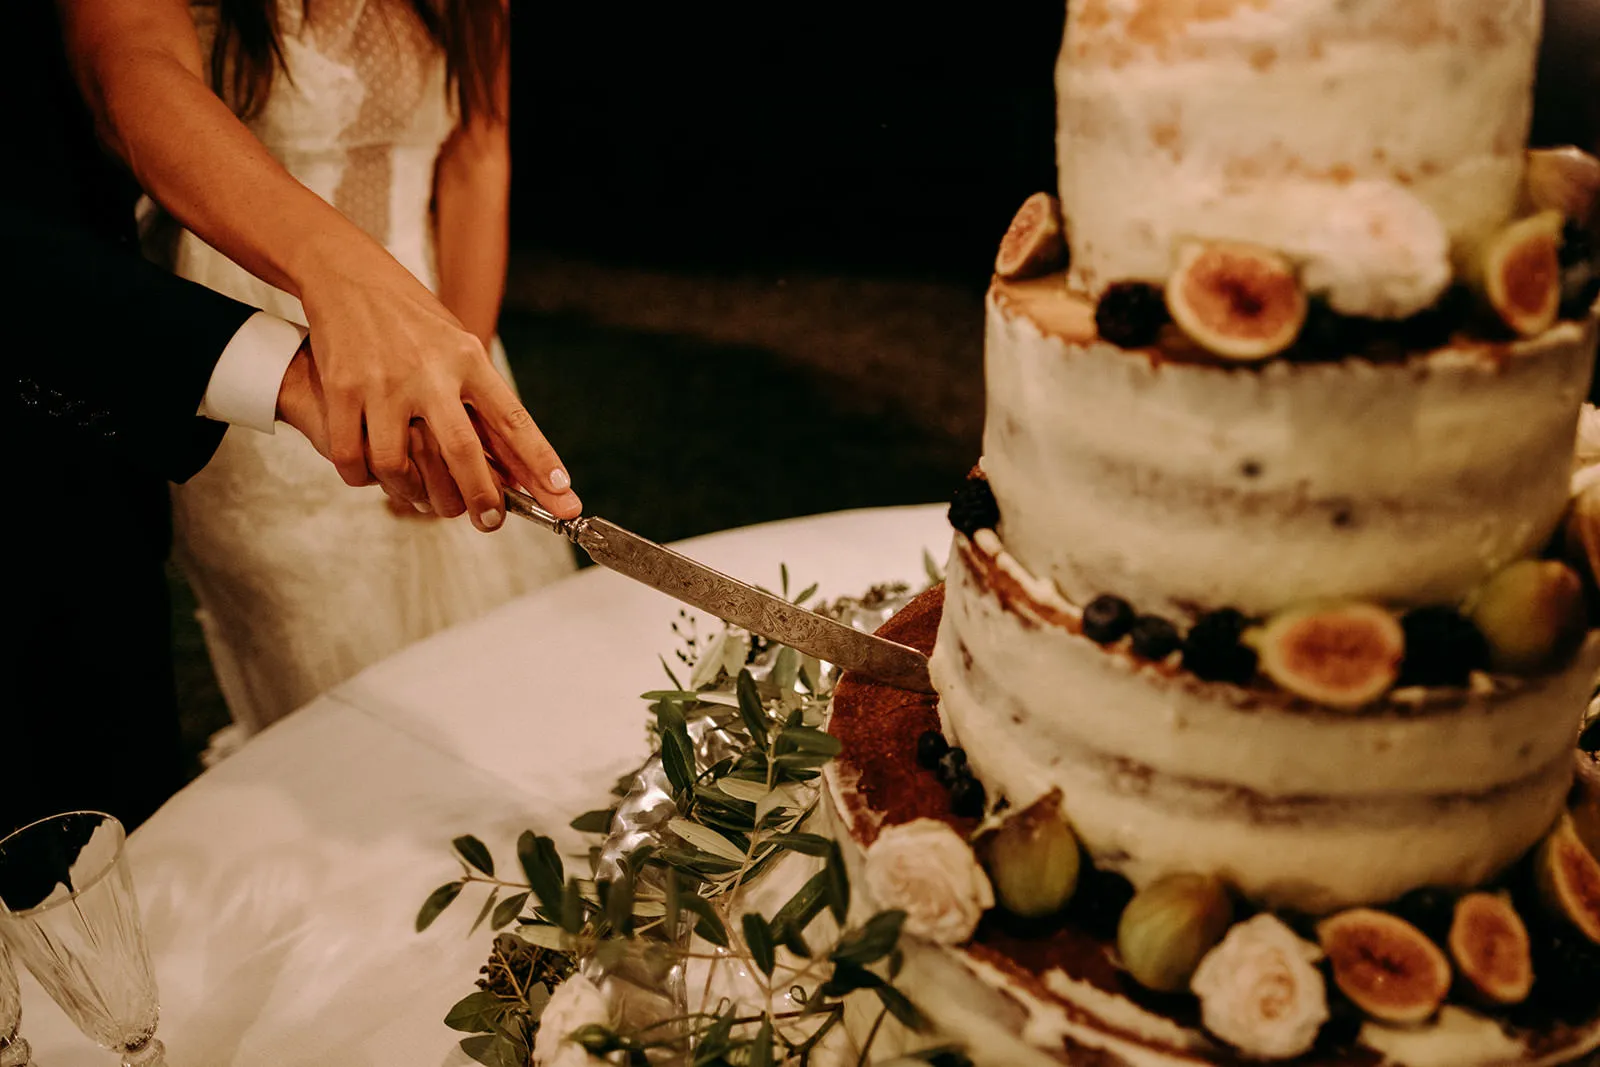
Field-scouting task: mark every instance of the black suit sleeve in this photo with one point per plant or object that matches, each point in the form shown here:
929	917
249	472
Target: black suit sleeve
111	353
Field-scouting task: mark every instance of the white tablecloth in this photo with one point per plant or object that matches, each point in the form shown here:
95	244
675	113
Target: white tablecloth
279	890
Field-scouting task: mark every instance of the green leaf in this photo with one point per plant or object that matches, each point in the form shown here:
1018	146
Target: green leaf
594	822
710	926
598	1039
806	844
477	1013
760	1054
789	796
785	669
871	941
619	907
809	740
931	568
806	594
706	839
793	940
847	978
670	676
544	935
838	883
508	910
742	789
475	853
901	1008
715	1041
751	710
437	901
783	574
677	759
758	938
541	864
493	1050
483	912
572	907
673	904
806	904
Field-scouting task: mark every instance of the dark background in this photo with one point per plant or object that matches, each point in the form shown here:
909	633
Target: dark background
885	137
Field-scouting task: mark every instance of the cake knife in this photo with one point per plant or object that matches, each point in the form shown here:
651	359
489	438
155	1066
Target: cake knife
732	600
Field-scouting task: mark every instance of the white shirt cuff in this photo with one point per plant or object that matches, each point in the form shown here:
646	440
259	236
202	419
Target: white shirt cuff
244	385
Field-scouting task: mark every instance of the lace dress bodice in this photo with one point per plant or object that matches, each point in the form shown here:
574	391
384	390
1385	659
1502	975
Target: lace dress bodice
358	113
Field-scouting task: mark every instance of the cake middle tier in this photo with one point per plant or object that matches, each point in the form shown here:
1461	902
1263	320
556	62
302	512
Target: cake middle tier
1298	806
1183	486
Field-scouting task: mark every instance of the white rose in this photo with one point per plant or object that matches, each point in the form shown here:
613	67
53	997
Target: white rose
1259	991
1376	250
574	1004
927	870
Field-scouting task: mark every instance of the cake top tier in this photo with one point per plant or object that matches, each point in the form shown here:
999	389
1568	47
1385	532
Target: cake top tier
1365	139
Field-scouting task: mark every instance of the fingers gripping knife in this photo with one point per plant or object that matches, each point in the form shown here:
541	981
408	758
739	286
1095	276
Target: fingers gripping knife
732	600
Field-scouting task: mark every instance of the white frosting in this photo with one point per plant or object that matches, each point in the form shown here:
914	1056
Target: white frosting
1457	1037
1207	119
1181	485
1161	773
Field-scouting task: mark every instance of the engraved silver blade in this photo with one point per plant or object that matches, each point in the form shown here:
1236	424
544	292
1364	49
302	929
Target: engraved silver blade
732	600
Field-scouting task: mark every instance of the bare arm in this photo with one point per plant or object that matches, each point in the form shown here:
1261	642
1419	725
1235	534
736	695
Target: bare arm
472	194
388	351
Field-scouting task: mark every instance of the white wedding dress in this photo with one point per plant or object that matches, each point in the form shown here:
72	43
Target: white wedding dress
301	580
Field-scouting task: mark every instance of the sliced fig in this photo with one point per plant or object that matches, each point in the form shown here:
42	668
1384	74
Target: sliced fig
1491	948
1532	614
1033	244
1238	301
1033	859
1169	925
1342	655
1568	877
1389	968
1565	179
1520	272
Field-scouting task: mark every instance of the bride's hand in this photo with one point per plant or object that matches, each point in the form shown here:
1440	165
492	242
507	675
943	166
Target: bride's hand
389	353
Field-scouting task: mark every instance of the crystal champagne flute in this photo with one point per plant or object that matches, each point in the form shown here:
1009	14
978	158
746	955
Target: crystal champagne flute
68	911
14	1051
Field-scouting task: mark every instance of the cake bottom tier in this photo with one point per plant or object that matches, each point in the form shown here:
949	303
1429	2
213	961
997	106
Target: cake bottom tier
1053	994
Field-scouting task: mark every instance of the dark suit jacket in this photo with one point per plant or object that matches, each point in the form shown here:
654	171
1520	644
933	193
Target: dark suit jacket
109	355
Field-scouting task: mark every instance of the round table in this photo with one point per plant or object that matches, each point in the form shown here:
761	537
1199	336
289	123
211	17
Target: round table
279	890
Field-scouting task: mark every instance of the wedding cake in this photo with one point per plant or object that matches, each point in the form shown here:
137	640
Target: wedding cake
1265	638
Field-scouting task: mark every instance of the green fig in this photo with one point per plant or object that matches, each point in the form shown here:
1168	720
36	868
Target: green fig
1033	859
1532	614
1169	925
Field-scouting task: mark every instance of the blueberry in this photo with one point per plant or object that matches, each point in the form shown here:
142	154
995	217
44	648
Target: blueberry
1154	638
1214	649
952	765
931	746
966	797
1443	647
1106	618
973	507
1429	909
1131	314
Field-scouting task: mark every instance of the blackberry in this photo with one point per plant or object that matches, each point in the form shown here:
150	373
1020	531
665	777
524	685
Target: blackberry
1213	649
1433	327
951	766
1106	618
1328	336
966	797
1443	647
1154	638
1429	909
1131	314
1576	245
973	507
931	747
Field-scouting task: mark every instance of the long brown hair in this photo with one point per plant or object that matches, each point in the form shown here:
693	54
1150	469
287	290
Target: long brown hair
471	33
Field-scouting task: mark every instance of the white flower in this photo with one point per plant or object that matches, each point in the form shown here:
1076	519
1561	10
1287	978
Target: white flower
574	1004
1259	991
927	870
1375	250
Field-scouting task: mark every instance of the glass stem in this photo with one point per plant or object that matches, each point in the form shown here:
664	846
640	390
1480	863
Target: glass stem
15	1052
150	1054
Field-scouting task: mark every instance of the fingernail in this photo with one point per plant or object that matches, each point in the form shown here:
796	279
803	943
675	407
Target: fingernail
423	506
492	519
560	480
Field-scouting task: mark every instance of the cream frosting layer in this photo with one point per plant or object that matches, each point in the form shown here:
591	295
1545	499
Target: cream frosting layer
1297	806
1359	137
1182	486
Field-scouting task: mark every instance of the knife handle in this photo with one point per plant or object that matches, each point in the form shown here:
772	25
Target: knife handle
520	503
